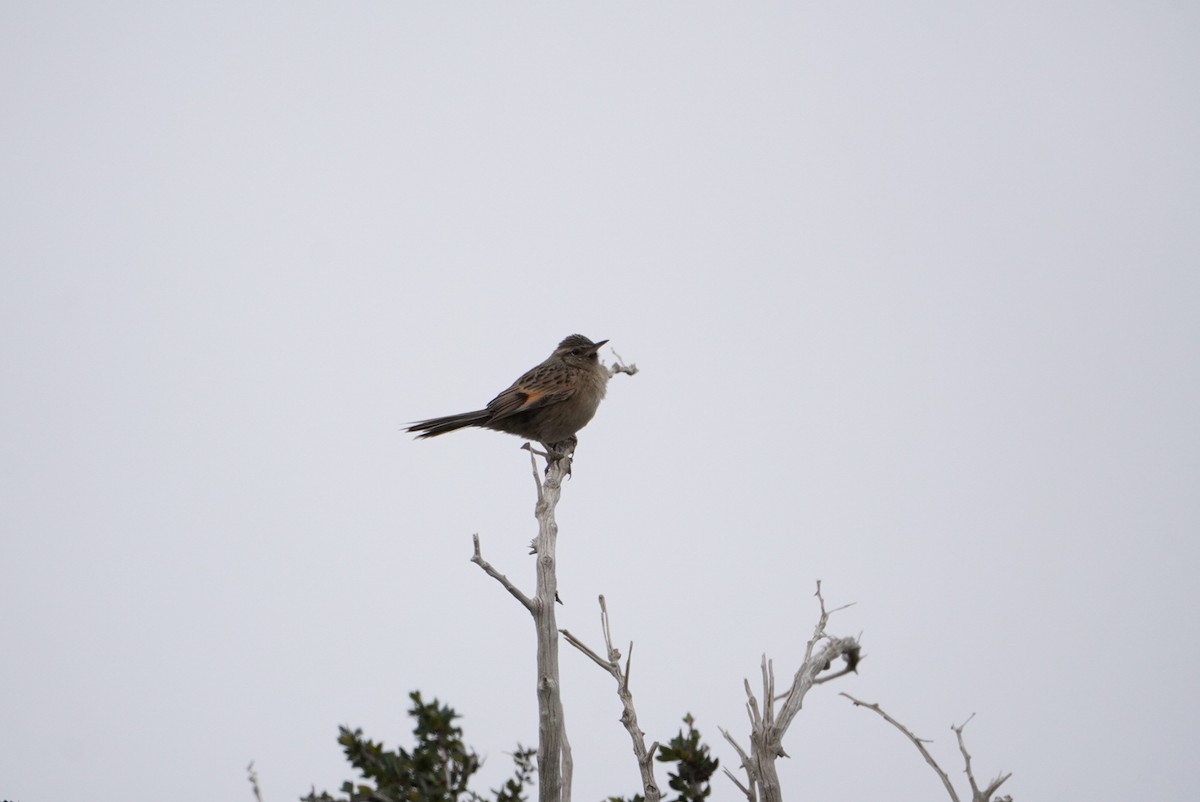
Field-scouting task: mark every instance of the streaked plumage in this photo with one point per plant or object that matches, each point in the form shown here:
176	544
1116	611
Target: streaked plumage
549	403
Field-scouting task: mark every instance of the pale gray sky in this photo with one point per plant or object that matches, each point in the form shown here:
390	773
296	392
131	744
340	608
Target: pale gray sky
914	292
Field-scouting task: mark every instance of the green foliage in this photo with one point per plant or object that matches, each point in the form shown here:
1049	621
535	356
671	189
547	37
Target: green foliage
514	788
694	766
437	770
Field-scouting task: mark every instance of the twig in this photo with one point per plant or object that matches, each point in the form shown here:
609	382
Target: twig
986	794
620	367
581	646
976	795
612	664
749	791
499	577
254	781
537	482
917	742
962	747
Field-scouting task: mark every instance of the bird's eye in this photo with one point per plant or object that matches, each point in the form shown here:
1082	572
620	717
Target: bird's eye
577	351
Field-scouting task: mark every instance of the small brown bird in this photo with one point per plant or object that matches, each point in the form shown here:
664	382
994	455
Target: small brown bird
548	404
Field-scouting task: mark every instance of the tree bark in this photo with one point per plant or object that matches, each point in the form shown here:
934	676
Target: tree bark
554	751
554	755
612	664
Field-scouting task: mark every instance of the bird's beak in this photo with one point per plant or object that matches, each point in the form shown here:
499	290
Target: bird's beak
596	347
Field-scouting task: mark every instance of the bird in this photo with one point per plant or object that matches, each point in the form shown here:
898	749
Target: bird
548	404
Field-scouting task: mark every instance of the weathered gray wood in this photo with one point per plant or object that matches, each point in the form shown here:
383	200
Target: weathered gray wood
554	751
612	664
768	724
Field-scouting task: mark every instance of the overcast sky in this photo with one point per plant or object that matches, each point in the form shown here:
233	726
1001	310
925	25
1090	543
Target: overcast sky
914	292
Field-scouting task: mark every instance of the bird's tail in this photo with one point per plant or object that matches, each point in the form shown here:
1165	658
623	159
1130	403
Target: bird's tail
435	426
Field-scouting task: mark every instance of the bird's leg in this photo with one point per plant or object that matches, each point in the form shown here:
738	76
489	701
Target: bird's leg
562	450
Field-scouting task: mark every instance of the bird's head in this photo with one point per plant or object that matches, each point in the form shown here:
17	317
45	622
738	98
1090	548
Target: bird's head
578	350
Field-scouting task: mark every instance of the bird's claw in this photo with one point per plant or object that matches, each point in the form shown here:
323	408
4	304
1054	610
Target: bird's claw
562	450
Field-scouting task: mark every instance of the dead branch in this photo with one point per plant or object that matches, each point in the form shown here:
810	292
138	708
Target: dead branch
499	577
917	742
977	795
750	789
620	367
612	664
768	725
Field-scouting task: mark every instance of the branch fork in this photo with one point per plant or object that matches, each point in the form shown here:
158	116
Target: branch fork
612	664
977	794
768	724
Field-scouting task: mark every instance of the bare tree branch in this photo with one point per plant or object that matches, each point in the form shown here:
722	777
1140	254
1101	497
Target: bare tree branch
612	664
768	726
749	790
917	742
977	795
499	577
966	755
583	647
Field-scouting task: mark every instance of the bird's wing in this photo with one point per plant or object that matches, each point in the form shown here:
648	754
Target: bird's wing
537	388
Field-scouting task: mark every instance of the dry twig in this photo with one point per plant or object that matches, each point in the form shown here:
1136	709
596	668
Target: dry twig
620	367
612	664
977	795
253	775
499	577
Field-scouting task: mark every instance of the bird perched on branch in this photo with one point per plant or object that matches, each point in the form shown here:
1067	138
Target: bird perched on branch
548	404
